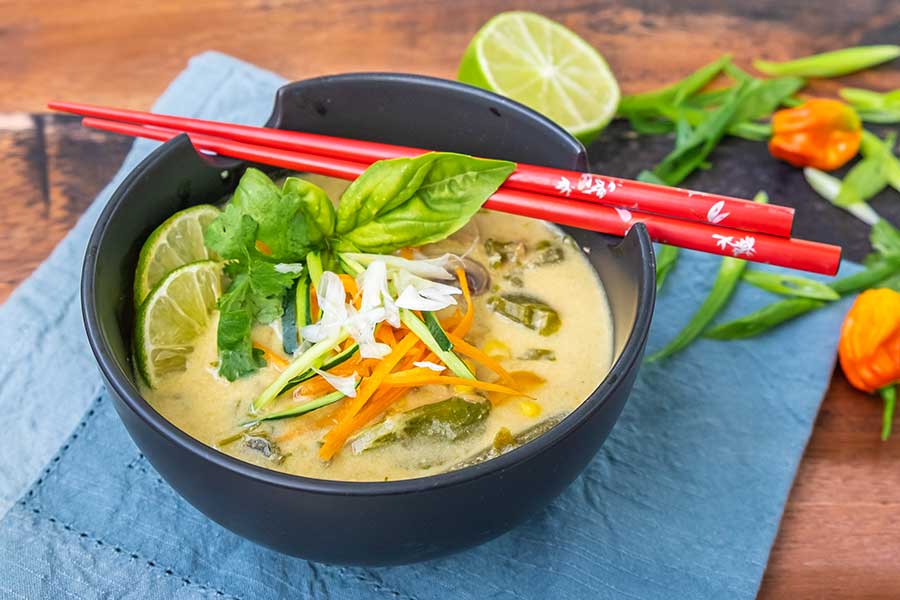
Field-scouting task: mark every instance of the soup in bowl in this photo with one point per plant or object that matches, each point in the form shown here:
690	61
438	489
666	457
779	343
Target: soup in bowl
396	383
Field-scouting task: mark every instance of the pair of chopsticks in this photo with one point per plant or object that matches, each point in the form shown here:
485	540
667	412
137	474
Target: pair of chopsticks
688	219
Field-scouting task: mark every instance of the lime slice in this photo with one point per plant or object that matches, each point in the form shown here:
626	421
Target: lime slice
175	312
541	64
178	241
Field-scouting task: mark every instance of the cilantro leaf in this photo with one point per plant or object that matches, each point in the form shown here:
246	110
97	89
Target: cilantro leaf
292	221
256	292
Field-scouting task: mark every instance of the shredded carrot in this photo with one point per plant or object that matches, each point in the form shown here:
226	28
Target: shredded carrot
271	357
379	403
452	321
336	437
467	349
313	302
263	247
466	322
422	376
385	333
349	284
406	253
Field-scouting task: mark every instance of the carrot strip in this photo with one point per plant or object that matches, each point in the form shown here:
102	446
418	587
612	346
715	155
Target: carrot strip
417	377
466	322
406	253
467	349
385	333
452	321
271	357
349	284
379	403
336	437
313	302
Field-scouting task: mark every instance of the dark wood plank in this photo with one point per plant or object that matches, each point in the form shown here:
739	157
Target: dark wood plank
841	532
53	170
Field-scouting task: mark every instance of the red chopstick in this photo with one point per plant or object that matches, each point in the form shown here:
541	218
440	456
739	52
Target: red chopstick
611	191
792	253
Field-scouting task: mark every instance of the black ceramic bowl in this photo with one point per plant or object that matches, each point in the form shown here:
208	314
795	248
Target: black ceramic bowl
344	522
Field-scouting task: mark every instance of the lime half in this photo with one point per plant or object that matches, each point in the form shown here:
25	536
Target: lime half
541	64
178	241
175	312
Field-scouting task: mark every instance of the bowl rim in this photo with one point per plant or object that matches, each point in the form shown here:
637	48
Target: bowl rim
123	387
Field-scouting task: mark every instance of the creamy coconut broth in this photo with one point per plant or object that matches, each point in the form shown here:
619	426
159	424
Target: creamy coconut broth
555	366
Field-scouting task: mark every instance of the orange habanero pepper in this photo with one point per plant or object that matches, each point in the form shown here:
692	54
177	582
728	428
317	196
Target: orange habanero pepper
870	347
820	133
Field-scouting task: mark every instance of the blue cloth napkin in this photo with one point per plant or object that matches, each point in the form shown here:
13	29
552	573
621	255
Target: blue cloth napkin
683	501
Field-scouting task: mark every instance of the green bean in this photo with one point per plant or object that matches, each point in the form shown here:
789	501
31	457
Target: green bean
831	64
790	285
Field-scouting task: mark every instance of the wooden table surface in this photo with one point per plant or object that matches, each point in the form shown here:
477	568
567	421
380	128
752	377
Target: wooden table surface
841	532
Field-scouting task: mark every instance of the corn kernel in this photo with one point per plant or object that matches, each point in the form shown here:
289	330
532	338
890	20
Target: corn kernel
496	349
530	408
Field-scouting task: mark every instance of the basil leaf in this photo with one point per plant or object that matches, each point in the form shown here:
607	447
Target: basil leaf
313	203
831	64
412	201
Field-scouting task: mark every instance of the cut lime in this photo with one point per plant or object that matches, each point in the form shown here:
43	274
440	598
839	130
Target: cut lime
175	312
541	64
178	241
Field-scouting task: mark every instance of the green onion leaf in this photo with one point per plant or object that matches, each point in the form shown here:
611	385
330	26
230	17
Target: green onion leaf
874	107
790	285
676	92
665	262
767	317
831	64
730	271
726	281
829	187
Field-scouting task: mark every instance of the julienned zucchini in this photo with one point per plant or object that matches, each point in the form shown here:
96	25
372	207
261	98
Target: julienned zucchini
327	364
423	332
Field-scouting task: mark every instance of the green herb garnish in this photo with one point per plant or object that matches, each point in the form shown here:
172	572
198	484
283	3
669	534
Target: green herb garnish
393	204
